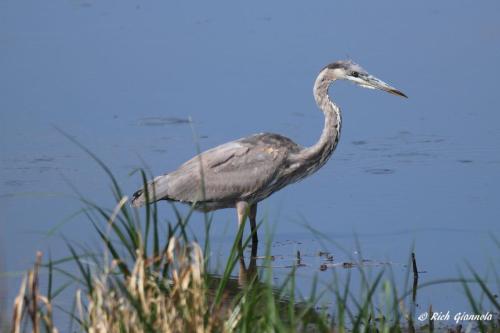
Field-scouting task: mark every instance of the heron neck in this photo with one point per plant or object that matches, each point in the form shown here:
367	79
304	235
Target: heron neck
315	156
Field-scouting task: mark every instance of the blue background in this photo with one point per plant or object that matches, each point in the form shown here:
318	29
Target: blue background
124	76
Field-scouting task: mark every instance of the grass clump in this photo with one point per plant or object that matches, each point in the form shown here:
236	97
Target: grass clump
149	280
147	302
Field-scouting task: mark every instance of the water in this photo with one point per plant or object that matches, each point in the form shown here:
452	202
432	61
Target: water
124	78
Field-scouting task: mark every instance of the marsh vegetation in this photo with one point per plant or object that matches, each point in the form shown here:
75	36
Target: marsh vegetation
154	276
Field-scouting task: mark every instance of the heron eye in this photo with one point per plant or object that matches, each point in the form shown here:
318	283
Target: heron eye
355	74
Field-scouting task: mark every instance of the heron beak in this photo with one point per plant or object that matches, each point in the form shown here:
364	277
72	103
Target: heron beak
395	92
374	83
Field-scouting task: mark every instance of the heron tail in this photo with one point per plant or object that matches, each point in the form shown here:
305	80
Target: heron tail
156	190
138	198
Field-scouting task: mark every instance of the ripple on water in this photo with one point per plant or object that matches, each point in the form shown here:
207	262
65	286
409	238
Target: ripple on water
162	121
380	171
17	182
42	159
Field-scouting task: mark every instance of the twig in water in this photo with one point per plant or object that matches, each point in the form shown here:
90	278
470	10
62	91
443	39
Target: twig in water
415	270
415	277
431	321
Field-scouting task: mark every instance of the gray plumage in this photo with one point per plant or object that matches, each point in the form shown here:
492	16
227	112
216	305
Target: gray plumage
243	172
235	171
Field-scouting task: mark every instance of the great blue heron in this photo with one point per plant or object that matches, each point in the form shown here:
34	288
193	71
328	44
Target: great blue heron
241	173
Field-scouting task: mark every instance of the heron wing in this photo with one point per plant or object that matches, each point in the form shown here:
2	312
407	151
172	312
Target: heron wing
232	171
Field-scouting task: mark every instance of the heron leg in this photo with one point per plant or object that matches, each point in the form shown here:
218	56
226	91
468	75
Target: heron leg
243	210
252	214
247	274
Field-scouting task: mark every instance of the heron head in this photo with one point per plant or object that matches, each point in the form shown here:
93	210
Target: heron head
348	70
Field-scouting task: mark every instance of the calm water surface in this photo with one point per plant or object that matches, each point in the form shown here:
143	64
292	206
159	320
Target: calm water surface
124	78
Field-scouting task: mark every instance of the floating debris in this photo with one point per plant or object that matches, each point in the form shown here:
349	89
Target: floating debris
326	255
299	260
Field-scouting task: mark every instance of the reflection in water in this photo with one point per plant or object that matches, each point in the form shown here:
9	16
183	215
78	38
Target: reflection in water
248	285
247	277
248	273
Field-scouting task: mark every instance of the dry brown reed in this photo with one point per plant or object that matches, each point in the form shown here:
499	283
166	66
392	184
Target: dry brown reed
143	302
31	308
